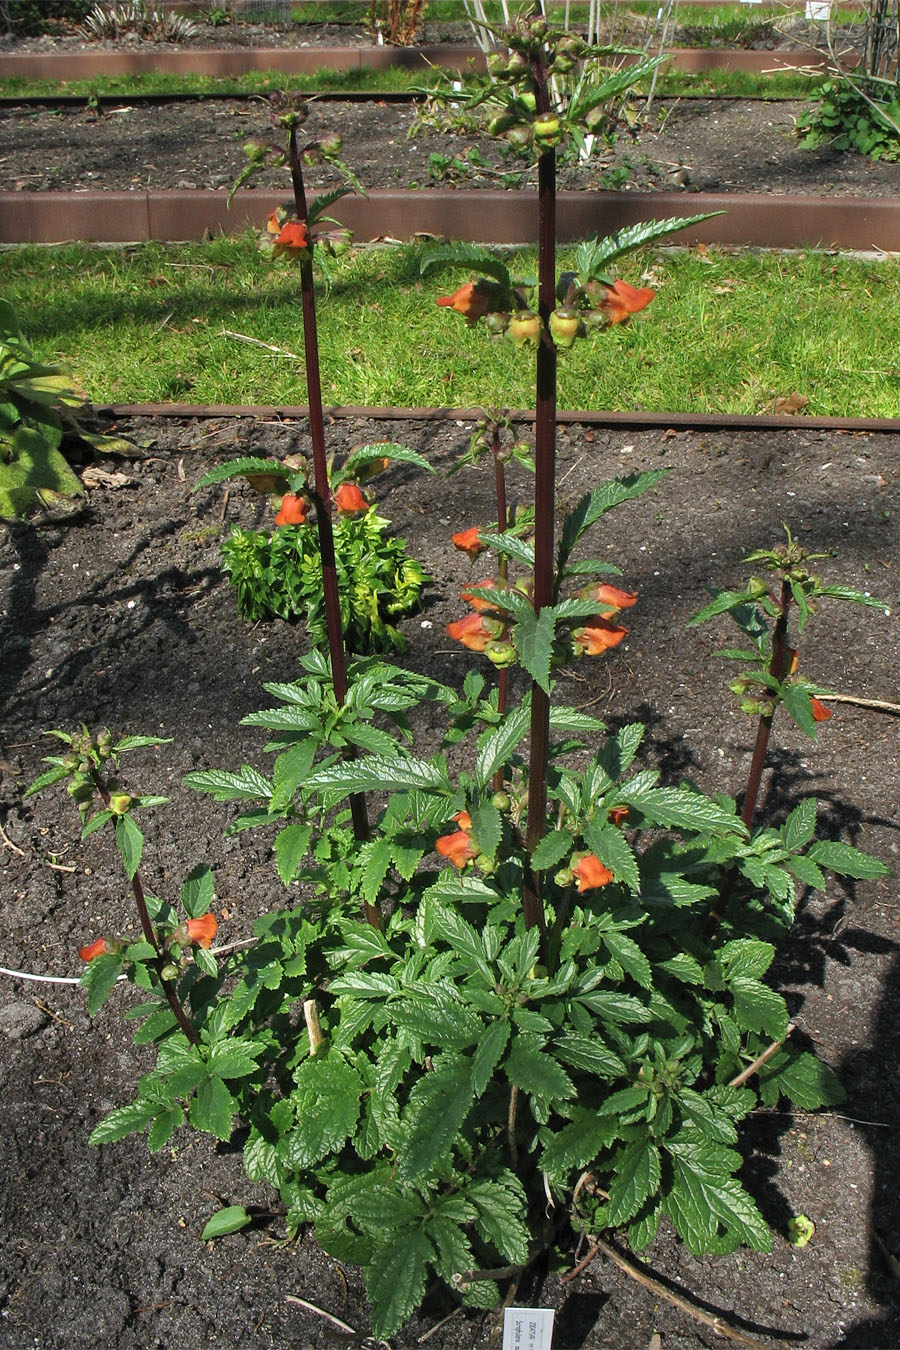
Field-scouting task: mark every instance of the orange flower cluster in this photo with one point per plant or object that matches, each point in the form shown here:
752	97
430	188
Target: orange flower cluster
595	305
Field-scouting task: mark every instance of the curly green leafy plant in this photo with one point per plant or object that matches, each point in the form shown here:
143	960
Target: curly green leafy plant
279	575
38	405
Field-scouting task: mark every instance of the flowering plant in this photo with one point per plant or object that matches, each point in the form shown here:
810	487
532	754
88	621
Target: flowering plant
524	993
279	574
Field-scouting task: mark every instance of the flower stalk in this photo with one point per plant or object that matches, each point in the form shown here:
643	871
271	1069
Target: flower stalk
544	496
321	489
777	669
161	958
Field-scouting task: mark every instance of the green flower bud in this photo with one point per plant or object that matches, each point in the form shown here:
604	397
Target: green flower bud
120	803
501	800
564	877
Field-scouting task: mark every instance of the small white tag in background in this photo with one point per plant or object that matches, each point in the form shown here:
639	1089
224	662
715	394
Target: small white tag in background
527	1328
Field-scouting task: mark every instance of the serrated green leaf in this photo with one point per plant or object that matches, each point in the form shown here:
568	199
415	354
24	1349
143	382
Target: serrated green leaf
225	1221
395	1279
229	787
699	1202
625	1101
612	848
800	825
552	849
438	1104
759	1008
487	828
846	860
501	1215
235	1057
291	847
496	745
536	1072
681	808
99	979
213	1108
746	956
578	1143
629	956
378	450
237	468
587	1052
123	1121
515	548
533	635
169	1119
615	1007
473	256
198	890
488	1054
603	498
436	1019
806	871
290	772
636	1176
801	1077
374	773
798	705
131	844
326	1103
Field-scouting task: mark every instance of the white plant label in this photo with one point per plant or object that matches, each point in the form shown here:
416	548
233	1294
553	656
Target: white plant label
527	1328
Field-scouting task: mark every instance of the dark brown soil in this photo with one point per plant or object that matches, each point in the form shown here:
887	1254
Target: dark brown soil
121	616
725	145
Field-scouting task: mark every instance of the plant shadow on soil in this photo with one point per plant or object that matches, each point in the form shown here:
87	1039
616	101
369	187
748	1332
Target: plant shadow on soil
121	616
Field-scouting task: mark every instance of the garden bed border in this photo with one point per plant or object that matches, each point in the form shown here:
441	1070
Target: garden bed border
749	220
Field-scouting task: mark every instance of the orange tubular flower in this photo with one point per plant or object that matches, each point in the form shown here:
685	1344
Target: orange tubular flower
293	238
98	948
202	930
618	815
820	712
457	848
471	632
470	300
597	637
348	499
611	597
622	300
293	511
469	541
591	873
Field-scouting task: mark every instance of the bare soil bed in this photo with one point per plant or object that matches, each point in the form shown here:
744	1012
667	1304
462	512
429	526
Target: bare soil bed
122	616
698	145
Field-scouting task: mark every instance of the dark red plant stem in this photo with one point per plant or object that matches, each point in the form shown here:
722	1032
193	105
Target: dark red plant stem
322	490
502	573
150	936
544	500
777	668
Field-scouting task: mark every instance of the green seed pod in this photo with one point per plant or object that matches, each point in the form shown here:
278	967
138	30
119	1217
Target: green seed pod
120	803
564	877
548	129
565	326
169	972
496	322
501	800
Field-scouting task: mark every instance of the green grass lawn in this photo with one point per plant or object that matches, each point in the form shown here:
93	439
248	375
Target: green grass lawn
727	332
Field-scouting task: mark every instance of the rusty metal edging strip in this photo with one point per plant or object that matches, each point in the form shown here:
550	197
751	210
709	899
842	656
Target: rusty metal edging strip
235	61
645	421
755	220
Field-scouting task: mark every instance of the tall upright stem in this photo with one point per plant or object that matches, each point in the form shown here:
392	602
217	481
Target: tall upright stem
321	492
544	502
777	668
